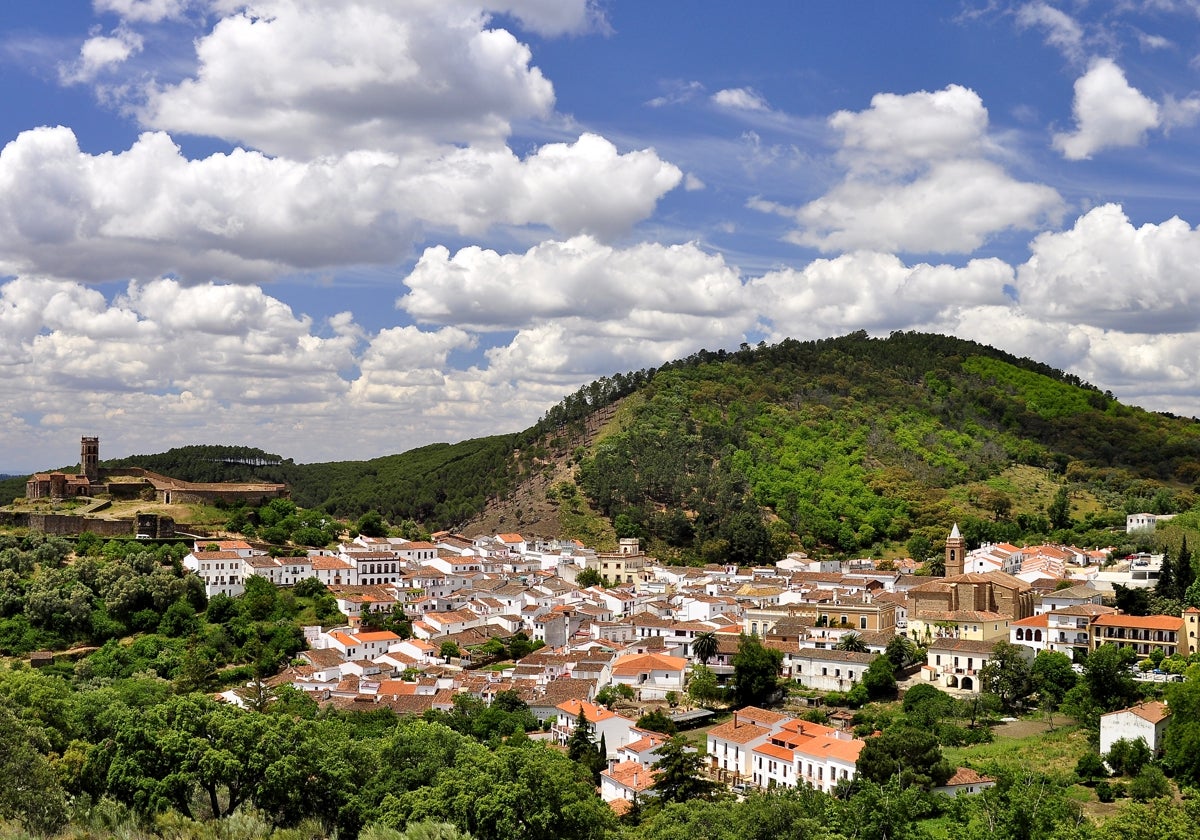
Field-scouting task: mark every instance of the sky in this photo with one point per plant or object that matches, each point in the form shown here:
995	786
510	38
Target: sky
340	230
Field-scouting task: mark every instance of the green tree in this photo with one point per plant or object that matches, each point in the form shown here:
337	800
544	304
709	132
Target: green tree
755	672
1025	805
30	793
1181	742
449	650
703	686
678	772
588	577
926	706
656	720
1127	756
1167	586
911	754
1090	767
879	679
920	547
1059	511
1106	685
582	747
1185	571
370	524
704	646
528	791
260	599
1007	675
1052	676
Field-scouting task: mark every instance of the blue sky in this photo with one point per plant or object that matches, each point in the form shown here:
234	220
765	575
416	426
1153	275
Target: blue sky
341	230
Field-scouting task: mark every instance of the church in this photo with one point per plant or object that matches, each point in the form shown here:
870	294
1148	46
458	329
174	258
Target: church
967	606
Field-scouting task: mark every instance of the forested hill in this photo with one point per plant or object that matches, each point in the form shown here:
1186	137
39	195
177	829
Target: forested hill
846	445
853	443
436	485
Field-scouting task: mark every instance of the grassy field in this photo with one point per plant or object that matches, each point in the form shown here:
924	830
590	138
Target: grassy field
1026	744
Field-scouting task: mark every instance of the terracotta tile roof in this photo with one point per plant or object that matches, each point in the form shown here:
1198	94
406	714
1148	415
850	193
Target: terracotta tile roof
396	687
1152	711
408	704
594	713
967	776
825	746
636	663
324	563
379	636
1141	622
631	775
1042	620
834	655
737	732
775	751
323	657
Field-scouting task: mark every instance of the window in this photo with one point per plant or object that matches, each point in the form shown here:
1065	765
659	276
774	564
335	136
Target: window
862	622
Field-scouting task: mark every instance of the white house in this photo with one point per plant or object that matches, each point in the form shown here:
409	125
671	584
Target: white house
626	781
651	675
613	728
1146	721
730	745
829	669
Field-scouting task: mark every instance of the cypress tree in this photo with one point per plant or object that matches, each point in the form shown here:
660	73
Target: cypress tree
1166	586
1185	572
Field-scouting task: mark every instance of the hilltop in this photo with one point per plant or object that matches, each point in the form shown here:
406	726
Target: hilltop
844	445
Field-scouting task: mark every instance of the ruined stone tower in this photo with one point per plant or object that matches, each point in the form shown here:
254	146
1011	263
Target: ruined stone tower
89	458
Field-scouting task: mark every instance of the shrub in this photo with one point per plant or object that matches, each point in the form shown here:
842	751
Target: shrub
1090	768
1150	783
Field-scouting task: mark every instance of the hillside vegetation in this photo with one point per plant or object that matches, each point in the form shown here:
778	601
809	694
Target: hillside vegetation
854	443
844	445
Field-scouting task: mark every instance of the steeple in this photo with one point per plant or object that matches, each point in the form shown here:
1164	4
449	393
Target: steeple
956	550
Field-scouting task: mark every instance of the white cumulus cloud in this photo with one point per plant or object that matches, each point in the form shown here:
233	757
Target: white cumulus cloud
149	210
652	283
918	179
1109	113
302	78
872	291
1107	273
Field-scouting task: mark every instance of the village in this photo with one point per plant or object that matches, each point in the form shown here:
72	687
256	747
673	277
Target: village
605	624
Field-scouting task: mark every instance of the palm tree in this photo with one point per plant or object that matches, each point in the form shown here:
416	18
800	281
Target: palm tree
704	646
852	642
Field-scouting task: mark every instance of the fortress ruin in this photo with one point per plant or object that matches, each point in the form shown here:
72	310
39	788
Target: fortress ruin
135	482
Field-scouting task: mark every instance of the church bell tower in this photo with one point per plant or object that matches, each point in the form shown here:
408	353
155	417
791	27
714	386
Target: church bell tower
956	552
